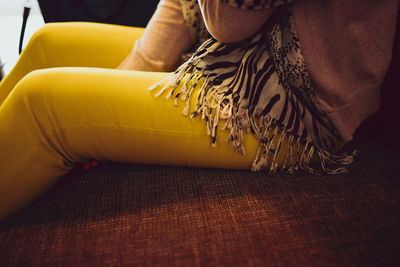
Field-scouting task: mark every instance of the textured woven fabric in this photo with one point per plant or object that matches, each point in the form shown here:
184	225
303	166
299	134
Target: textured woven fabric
129	215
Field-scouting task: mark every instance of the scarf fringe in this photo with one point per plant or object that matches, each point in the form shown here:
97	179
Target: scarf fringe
213	104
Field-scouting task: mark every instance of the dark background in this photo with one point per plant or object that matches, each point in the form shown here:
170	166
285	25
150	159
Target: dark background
124	12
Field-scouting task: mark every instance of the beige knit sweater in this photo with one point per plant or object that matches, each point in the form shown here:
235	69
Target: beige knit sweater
346	44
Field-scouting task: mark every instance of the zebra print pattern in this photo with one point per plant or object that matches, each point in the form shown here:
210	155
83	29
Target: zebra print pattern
261	86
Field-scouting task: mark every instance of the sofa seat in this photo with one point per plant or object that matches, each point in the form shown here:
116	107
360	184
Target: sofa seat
135	215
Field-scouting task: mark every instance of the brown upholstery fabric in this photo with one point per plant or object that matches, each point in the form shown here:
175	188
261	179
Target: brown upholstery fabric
126	215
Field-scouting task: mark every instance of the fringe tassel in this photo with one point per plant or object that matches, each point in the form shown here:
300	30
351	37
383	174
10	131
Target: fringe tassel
213	103
331	159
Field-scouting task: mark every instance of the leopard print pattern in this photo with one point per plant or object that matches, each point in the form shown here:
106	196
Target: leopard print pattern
195	23
196	26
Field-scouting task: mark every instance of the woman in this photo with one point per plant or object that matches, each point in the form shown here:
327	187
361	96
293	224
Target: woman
250	77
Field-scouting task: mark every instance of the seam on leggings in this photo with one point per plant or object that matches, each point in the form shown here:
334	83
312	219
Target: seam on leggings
46	136
59	130
69	161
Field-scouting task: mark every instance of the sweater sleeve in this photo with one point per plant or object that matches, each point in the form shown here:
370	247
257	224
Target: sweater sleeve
229	23
164	41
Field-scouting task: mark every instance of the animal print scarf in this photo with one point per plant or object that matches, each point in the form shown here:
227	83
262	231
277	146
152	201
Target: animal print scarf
259	85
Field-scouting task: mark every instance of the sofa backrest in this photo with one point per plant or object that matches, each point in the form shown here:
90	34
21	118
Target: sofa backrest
384	126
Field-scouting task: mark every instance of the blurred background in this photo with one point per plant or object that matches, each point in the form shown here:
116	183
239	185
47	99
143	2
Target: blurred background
123	12
11	12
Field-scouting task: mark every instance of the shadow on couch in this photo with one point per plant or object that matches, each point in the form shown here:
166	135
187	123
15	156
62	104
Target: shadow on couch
120	214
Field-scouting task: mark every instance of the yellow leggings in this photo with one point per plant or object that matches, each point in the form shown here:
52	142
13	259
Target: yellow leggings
63	103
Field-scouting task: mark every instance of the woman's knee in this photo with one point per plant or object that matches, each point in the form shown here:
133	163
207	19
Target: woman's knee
44	34
52	36
32	89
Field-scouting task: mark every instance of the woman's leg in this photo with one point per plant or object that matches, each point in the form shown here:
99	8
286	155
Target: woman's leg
74	44
57	117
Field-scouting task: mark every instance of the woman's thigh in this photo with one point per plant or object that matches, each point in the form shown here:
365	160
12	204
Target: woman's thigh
111	115
84	44
72	44
57	117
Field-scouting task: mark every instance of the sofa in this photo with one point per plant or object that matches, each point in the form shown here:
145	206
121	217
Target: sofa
119	214
134	215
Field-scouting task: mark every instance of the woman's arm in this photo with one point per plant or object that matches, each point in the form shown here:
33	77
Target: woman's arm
229	24
165	39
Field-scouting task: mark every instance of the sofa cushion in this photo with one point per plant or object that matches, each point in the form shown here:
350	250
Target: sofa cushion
125	215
